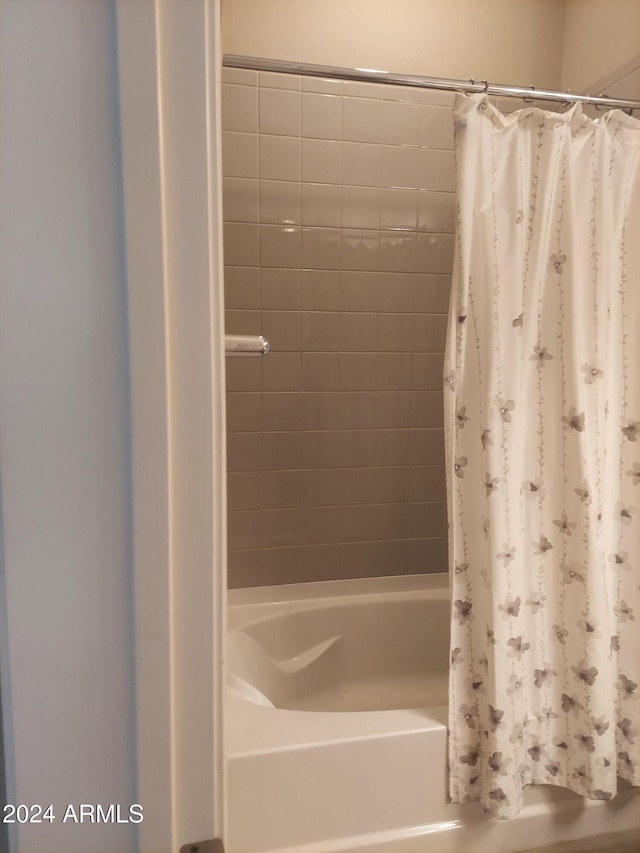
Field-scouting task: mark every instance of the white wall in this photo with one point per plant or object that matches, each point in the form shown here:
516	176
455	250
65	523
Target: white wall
600	36
67	669
502	40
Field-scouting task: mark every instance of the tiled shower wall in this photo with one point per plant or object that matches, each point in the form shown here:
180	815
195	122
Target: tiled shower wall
339	209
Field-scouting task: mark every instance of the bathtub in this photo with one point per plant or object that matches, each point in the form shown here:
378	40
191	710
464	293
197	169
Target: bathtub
336	729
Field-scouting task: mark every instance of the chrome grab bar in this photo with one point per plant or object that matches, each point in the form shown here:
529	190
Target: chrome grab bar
245	345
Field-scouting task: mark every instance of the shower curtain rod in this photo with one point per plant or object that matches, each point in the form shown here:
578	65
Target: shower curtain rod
370	75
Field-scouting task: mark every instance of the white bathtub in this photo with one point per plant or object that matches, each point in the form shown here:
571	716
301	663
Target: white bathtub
336	729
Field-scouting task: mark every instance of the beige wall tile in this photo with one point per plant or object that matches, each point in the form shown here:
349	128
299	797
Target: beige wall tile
358	332
321	248
321	410
427	372
391	558
321	205
432	293
244	530
240	200
280	246
393	447
436	170
360	490
355	89
274	80
359	292
436	211
282	564
318	525
244	451
280	289
280	527
280	489
244	412
281	410
243	374
427	447
392	410
320	371
428	520
427	483
239	108
279	112
355	560
361	119
434	253
242	287
398	209
394	371
360	164
395	333
321	116
356	448
401	123
360	207
436	127
280	450
355	523
441	99
241	244
319	449
321	161
391	521
245	568
280	202
282	330
430	332
360	250
397	251
318	562
322	85
400	93
399	167
244	490
320	331
391	485
280	372
357	371
320	290
395	292
319	486
357	409
240	75
427	409
279	158
241	322
239	154
427	555
355	486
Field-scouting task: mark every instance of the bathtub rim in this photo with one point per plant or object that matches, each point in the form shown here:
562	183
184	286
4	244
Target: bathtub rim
256	729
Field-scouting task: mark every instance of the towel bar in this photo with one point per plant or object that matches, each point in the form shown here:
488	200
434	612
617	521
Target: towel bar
246	345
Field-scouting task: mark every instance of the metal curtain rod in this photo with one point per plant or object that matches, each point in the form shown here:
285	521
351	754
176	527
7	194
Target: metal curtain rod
370	75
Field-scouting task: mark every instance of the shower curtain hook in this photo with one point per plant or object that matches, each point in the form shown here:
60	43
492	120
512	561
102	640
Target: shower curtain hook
470	91
602	106
530	100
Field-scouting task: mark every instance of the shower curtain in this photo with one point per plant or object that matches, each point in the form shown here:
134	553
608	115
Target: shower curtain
542	403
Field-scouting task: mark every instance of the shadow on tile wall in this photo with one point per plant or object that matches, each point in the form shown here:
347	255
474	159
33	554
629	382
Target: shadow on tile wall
339	216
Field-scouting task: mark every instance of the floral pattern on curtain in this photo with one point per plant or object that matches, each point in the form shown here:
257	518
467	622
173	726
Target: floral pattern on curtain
542	407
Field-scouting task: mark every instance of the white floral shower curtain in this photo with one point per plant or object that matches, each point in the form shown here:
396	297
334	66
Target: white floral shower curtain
542	388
